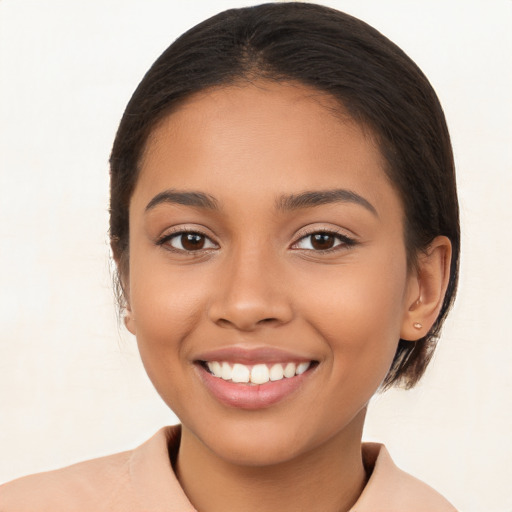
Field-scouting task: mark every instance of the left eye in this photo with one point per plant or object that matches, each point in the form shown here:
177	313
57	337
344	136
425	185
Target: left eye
189	241
322	241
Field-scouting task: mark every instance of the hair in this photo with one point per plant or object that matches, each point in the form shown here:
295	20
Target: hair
370	77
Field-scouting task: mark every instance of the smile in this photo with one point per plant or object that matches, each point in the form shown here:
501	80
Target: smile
253	379
256	374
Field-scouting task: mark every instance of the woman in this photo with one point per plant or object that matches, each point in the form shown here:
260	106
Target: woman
284	221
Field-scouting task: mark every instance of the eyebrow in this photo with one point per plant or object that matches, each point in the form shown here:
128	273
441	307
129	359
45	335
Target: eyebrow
197	199
310	199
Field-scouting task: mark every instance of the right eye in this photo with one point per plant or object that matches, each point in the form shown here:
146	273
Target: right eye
187	241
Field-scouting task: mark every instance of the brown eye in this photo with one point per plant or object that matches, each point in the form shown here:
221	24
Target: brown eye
188	241
192	241
322	241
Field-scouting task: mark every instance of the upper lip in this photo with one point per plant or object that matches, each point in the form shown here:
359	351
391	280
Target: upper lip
244	355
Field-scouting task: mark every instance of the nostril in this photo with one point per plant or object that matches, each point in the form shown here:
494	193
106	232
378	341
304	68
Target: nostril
249	326
238	311
267	320
222	322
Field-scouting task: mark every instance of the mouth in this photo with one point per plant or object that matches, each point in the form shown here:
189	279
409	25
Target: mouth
254	384
256	374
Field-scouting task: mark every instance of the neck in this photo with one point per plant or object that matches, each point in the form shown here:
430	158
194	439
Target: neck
329	478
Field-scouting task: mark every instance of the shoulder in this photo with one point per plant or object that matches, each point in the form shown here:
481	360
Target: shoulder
390	489
118	482
92	483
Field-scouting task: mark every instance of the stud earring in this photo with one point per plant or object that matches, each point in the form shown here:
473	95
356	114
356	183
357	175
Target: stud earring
417	325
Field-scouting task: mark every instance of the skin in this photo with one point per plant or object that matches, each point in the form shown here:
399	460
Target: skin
259	282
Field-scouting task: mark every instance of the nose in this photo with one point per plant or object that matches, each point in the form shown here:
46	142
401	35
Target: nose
252	292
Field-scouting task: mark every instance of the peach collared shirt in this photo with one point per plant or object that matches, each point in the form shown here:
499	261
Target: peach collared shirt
142	480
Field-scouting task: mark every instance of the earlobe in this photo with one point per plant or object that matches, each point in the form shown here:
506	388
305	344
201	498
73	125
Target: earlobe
427	291
123	290
129	320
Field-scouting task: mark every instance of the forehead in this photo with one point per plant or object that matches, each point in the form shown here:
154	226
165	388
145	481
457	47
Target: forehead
261	137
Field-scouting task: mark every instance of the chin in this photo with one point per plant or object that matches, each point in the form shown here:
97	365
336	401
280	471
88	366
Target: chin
258	441
258	451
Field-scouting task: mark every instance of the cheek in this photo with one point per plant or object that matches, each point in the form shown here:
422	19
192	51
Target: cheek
166	306
363	295
164	309
164	315
359	312
163	300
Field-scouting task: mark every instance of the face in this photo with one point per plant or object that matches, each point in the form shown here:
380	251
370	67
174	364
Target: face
266	247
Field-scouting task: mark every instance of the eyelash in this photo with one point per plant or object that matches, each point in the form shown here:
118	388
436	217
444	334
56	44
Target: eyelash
345	241
180	232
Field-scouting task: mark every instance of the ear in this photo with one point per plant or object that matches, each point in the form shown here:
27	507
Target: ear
129	319
122	285
426	289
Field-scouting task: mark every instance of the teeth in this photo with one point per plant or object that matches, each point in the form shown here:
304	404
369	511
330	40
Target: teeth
276	372
215	367
289	370
226	372
260	374
240	373
301	368
257	374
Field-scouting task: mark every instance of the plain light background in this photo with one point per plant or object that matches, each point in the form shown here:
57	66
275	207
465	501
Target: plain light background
71	383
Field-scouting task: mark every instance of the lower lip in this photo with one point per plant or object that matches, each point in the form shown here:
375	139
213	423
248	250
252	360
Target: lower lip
245	396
